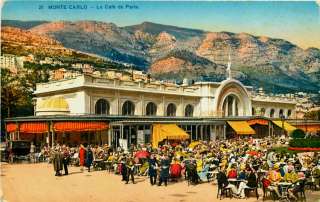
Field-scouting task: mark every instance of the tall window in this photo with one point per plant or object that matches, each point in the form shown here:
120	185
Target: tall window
253	111
151	109
128	108
271	113
171	110
102	107
289	113
188	111
263	111
281	113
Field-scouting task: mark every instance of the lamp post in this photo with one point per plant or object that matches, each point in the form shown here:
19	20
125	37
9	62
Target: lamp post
282	121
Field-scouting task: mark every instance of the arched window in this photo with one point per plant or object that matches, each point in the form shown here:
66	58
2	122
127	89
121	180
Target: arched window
128	108
171	110
271	113
102	107
263	111
230	106
151	109
188	111
281	112
289	113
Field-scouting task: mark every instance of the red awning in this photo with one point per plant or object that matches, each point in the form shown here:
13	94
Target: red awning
78	126
34	127
11	127
258	121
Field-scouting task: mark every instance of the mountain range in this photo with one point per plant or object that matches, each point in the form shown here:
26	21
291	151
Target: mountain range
170	52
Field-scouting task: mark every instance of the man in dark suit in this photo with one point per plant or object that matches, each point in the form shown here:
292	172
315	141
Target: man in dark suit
164	173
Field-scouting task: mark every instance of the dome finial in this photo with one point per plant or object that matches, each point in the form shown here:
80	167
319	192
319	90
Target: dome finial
229	65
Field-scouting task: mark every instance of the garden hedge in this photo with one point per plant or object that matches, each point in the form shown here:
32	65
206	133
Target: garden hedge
310	143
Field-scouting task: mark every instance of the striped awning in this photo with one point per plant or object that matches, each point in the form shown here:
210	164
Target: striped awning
286	126
11	127
161	132
79	126
241	127
258	121
34	127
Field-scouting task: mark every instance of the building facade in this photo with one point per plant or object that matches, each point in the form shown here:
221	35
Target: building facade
120	112
87	94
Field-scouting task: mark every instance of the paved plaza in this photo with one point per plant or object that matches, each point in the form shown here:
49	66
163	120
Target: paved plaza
36	182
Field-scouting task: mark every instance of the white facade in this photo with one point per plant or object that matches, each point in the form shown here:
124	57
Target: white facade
205	99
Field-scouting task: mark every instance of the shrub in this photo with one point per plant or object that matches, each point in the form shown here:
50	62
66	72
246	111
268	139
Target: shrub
298	133
312	143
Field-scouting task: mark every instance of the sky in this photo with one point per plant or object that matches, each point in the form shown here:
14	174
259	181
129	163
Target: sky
297	22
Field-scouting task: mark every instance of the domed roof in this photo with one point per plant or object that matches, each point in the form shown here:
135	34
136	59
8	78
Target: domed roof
53	104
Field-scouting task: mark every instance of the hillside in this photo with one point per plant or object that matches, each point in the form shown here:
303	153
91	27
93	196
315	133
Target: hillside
165	49
23	42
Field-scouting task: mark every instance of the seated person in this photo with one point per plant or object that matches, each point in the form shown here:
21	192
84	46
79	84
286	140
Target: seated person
316	174
223	182
274	177
291	175
250	181
232	173
242	174
297	186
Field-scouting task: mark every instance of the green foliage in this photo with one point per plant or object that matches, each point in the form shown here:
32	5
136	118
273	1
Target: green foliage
283	150
310	143
314	115
298	133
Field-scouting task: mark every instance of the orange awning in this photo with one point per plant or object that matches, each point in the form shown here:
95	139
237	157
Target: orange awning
167	131
258	121
78	126
11	127
34	127
241	127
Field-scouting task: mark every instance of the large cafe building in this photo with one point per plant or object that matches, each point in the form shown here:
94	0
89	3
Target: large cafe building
96	110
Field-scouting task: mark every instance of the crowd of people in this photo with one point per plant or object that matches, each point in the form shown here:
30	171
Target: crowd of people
240	165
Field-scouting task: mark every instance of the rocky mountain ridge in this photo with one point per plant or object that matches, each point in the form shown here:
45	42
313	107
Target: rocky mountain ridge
169	50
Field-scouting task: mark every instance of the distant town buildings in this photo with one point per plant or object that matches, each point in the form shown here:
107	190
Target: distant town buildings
11	62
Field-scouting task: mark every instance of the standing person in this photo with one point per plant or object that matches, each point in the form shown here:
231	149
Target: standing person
32	153
82	156
130	169
164	173
57	161
123	168
153	169
89	157
66	157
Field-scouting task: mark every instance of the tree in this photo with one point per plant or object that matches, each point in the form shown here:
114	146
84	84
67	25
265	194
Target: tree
12	94
314	115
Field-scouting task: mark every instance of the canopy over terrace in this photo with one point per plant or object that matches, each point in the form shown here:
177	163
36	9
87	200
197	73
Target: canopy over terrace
140	130
241	127
161	132
32	129
285	125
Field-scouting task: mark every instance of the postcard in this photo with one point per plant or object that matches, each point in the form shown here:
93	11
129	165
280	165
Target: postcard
133	101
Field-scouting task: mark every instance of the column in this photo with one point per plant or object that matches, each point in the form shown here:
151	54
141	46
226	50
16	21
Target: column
196	132
226	110
233	107
269	128
224	131
201	132
52	141
109	135
47	138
